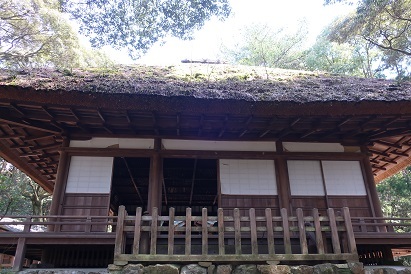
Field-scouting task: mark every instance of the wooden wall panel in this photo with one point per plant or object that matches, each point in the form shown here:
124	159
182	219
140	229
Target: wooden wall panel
358	205
244	203
307	203
85	204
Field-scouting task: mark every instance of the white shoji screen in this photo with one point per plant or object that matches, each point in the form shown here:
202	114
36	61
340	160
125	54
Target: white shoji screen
248	177
343	178
305	178
89	174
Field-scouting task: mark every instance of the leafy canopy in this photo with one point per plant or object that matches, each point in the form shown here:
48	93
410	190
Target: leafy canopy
385	24
260	45
395	193
138	24
34	33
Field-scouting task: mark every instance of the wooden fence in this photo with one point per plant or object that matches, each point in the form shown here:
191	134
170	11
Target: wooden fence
383	225
52	230
234	238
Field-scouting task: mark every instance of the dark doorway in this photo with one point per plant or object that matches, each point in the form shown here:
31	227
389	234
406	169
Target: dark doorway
129	185
190	183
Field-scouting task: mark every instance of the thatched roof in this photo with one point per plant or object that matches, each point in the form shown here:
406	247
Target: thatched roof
215	81
38	108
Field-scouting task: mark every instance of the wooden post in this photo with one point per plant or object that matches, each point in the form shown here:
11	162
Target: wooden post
120	239
318	233
253	232
21	248
204	232
220	223
334	232
61	181
301	231
153	234
137	231
286	231
171	216
188	232
370	185
237	231
350	233
155	184
270	231
20	254
283	180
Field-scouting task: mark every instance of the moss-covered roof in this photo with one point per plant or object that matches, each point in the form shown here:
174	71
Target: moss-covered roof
215	81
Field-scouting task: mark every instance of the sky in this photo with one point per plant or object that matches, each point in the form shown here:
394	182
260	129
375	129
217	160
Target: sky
207	42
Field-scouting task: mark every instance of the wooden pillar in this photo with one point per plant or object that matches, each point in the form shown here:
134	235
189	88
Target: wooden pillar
155	187
283	181
370	185
61	181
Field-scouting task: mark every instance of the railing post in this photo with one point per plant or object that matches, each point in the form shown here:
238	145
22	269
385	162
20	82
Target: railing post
204	232
171	218
237	231
363	227
188	232
21	247
120	237
286	231
137	231
318	232
301	231
220	223
153	233
352	246
334	232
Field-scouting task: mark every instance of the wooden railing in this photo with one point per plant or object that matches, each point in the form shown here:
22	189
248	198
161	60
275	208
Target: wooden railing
235	238
53	230
382	225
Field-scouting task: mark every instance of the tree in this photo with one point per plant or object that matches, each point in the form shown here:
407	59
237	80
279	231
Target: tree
20	195
356	57
385	24
263	46
394	193
34	33
138	24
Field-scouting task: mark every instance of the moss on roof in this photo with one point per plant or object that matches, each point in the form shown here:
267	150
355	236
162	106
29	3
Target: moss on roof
216	81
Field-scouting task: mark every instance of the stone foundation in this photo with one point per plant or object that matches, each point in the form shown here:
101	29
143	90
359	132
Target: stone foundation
209	268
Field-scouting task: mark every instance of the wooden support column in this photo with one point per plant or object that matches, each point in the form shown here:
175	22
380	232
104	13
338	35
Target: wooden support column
283	181
370	185
61	181
155	187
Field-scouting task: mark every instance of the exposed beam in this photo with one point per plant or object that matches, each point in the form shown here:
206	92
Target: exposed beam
223	129
193	180
31	124
133	181
13	136
388	144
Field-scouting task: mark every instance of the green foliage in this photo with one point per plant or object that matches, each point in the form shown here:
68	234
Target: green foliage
263	46
20	195
138	24
34	33
357	58
395	193
384	24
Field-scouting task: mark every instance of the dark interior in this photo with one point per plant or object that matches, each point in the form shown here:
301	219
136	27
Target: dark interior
190	183
186	183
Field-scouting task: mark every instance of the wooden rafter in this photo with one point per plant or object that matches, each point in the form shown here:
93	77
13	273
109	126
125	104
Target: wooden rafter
133	181
193	181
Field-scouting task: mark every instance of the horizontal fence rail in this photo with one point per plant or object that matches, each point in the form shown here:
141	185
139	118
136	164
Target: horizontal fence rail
230	238
54	229
381	224
54	223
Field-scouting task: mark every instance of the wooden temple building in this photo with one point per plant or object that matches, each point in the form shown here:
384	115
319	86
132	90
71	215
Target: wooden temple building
205	163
